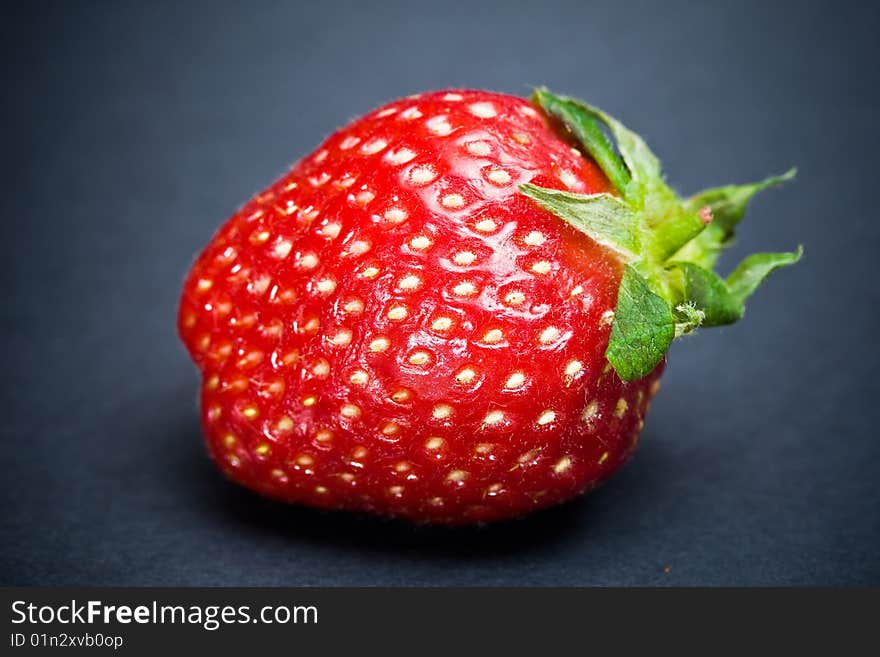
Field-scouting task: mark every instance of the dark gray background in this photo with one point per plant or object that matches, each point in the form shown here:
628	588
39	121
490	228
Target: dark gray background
131	130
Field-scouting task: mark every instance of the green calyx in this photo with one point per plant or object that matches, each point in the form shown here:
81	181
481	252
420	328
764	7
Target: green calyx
669	245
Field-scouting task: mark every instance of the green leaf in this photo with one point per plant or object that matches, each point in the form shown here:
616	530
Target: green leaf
605	218
643	328
709	293
640	160
748	275
727	206
673	229
587	128
637	177
642	164
723	302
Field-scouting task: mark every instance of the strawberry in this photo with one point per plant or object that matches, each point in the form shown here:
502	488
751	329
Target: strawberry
456	309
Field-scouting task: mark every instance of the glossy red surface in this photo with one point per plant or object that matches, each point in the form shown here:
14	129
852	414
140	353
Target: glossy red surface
391	327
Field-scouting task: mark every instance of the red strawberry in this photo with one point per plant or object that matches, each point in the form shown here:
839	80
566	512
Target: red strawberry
402	325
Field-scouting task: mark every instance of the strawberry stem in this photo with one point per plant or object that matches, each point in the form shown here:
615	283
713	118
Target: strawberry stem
669	245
